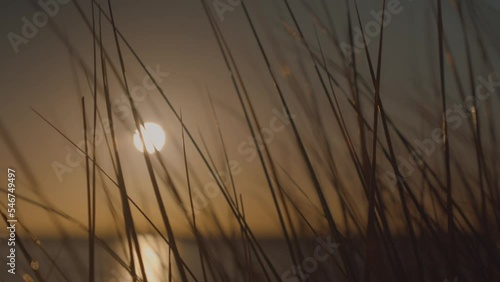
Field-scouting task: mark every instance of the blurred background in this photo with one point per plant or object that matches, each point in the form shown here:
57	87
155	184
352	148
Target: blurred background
296	140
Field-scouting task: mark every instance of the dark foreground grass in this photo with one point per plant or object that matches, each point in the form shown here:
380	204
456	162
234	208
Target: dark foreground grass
410	229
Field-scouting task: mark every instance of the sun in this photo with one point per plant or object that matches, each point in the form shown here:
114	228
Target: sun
154	137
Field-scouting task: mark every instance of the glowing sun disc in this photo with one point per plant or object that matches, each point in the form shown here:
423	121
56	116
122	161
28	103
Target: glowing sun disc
154	137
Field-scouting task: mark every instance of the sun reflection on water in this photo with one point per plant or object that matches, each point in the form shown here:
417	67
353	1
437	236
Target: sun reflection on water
154	253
